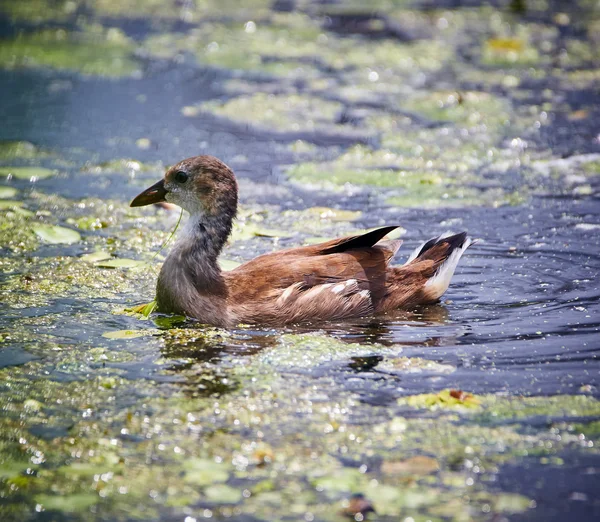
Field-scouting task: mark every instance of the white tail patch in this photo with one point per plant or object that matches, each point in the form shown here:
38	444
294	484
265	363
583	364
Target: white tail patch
439	283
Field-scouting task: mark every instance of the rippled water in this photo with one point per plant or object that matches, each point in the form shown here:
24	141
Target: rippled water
320	402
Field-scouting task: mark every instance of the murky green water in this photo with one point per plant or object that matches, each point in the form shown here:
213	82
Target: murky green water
336	118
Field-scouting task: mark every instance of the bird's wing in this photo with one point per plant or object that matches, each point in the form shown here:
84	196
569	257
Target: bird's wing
360	258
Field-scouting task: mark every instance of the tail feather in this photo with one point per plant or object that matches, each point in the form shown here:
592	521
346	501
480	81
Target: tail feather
446	251
427	273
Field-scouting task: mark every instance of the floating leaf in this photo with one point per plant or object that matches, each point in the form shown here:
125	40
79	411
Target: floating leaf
223	494
67	503
145	309
245	231
56	235
120	263
7	192
335	214
125	334
23	212
32	405
511	503
95	257
418	465
271	232
315	240
443	399
30	173
13	468
9	204
228	264
204	472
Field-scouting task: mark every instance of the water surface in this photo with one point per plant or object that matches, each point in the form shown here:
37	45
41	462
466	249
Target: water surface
336	119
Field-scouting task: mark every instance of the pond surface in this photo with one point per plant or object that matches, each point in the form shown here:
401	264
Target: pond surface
432	115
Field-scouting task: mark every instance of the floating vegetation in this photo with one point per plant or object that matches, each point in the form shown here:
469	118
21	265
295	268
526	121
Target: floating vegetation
93	52
443	399
8	192
56	235
20	149
27	173
278	112
112	411
119	263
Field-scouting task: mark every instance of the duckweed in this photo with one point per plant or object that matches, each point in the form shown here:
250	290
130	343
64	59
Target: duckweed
96	52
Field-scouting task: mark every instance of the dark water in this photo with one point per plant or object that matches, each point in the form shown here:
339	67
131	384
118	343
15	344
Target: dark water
520	318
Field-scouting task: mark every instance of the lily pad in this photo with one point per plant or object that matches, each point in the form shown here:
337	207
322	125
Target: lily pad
30	173
95	257
8	192
245	231
125	334
228	264
120	263
56	235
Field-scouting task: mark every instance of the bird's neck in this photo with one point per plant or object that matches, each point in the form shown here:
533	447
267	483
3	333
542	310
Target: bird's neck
202	239
190	281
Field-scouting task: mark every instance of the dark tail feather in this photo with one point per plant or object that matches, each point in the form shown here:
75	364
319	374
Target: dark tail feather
450	243
446	251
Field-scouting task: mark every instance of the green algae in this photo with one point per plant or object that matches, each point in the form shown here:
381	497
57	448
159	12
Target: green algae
126	334
564	406
278	112
20	149
171	9
201	461
38	11
28	173
469	108
443	399
8	192
92	52
7	204
261	417
275	49
416	187
509	51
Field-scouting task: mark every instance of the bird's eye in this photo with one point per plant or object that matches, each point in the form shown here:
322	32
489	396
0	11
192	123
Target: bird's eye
181	177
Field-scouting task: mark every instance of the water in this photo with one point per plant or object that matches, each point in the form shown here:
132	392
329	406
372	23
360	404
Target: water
164	421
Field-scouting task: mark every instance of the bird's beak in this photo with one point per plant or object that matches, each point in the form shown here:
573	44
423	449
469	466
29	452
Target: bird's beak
154	194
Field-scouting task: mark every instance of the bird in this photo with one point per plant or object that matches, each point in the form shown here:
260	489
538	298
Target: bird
343	278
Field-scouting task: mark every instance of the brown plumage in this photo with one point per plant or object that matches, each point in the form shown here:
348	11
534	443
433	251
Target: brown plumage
338	279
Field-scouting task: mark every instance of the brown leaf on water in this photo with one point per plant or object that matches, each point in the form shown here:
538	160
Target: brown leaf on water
460	395
357	504
263	455
418	465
